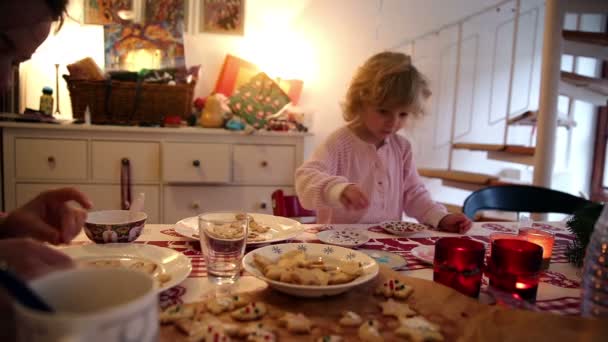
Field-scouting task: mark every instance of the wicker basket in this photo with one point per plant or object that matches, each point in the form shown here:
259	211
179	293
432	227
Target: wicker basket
129	103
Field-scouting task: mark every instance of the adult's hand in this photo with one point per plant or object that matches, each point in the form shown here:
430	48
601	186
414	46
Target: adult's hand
29	259
48	217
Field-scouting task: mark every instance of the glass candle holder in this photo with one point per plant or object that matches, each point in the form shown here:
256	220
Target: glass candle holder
496	236
541	238
458	264
514	267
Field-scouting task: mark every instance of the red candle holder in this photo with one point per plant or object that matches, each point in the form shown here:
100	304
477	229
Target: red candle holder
458	264
514	267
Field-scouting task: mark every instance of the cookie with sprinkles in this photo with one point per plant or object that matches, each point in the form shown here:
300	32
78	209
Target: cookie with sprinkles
394	288
250	312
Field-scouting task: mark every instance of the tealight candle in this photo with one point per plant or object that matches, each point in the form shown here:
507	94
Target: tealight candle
541	238
514	267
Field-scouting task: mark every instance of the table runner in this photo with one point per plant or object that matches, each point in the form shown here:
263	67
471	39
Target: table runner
559	288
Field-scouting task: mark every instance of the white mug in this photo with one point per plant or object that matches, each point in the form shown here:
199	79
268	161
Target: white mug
92	305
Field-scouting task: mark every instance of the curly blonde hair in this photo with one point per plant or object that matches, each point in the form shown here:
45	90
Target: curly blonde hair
388	80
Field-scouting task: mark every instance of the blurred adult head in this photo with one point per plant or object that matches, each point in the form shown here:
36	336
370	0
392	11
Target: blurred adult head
24	25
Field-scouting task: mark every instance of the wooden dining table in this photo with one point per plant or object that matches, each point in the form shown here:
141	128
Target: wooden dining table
558	292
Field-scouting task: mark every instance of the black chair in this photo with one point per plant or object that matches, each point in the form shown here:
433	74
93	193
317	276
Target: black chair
522	198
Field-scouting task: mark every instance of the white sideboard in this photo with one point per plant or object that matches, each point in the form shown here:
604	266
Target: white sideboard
182	171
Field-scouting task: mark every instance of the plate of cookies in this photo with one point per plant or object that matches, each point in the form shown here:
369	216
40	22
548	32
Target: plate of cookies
310	269
263	228
402	228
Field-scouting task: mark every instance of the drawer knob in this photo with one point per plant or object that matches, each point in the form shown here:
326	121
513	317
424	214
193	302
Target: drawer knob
264	163
195	205
51	159
196	163
263	205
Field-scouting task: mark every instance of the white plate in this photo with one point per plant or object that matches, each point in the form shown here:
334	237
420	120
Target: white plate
343	237
424	253
169	262
402	228
281	228
273	252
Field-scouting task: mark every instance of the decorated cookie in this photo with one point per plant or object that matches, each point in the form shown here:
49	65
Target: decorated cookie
250	312
219	305
178	312
369	331
330	338
257	332
418	329
396	309
350	319
296	323
394	288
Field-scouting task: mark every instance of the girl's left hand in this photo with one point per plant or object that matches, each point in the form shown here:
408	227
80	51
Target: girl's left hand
455	223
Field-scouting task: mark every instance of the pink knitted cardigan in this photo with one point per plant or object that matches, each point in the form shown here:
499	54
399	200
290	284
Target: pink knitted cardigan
387	175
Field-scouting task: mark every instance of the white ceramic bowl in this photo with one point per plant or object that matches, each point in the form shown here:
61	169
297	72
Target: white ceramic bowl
273	252
106	226
402	228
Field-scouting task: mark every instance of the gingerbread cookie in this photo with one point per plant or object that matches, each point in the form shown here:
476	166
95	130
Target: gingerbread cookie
396	309
330	338
350	319
369	331
296	323
394	288
250	312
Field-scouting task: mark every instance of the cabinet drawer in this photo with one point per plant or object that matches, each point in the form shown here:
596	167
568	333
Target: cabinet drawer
50	159
102	196
264	165
196	163
182	201
144	158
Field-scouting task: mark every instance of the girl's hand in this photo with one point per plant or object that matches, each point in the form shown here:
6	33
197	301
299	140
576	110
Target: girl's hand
352	198
455	223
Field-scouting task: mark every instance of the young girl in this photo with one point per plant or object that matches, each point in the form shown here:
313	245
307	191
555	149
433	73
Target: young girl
364	172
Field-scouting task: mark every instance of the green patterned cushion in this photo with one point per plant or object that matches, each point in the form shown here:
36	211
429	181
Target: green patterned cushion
257	99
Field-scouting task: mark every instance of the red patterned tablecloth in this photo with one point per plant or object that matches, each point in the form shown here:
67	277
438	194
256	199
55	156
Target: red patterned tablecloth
559	288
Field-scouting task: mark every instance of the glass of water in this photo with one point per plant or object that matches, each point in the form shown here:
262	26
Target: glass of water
223	238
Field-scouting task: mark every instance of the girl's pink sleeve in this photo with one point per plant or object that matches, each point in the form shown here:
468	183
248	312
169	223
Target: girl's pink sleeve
417	201
316	177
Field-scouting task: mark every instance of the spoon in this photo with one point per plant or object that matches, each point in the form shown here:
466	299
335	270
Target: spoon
22	292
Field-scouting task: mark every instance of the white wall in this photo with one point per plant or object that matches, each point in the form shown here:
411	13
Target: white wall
323	41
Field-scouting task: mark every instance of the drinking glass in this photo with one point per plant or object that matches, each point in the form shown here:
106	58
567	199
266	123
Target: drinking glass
223	237
458	264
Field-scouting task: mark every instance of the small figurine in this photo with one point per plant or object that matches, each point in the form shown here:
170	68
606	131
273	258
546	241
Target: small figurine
216	107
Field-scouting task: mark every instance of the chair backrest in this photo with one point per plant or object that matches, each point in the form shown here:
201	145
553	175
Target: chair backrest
288	206
522	198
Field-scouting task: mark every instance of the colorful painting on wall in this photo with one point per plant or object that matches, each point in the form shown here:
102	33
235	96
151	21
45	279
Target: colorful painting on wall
132	47
102	12
222	16
171	13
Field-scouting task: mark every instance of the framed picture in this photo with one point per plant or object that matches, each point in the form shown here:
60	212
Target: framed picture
171	14
103	12
222	16
236	72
